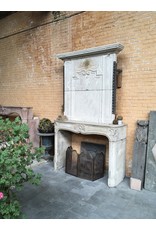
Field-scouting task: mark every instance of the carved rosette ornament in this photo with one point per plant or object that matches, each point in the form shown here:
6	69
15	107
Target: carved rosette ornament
114	133
79	128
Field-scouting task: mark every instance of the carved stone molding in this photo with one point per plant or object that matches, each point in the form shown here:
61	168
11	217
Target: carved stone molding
24	112
141	131
88	68
111	48
112	132
79	128
116	135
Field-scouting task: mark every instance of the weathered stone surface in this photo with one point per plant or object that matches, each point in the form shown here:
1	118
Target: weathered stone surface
141	131
89	89
89	94
107	49
150	172
139	155
154	152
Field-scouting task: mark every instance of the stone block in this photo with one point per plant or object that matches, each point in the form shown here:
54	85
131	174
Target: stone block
135	184
139	155
138	163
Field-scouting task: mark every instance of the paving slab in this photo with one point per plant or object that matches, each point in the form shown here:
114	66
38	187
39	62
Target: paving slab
63	196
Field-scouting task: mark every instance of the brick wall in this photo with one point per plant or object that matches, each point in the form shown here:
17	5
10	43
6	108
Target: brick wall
31	75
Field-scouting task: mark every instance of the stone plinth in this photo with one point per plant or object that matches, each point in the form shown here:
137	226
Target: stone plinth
116	135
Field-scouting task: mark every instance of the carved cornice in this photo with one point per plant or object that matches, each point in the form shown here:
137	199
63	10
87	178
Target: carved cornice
111	48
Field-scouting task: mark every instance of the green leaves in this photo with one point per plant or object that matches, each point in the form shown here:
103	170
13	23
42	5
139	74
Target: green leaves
16	157
10	210
46	126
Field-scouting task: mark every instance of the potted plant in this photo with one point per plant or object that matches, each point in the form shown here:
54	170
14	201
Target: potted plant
46	133
119	119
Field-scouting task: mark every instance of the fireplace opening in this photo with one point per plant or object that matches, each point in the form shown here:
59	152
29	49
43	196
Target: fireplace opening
11	116
89	164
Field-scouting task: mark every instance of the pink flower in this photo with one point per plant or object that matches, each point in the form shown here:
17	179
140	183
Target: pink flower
1	195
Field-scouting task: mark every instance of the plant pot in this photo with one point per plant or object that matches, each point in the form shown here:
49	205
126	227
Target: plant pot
120	122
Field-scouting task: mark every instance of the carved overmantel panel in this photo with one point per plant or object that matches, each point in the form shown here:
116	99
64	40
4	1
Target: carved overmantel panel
84	73
89	88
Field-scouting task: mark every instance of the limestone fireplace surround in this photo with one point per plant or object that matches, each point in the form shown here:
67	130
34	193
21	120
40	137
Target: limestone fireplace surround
116	135
89	105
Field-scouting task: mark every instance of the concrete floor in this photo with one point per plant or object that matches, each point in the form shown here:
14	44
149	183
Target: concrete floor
63	196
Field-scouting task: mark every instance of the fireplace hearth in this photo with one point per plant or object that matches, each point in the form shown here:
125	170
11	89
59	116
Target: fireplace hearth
89	164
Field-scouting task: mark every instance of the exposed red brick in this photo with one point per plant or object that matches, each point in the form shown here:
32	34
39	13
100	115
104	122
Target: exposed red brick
31	75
